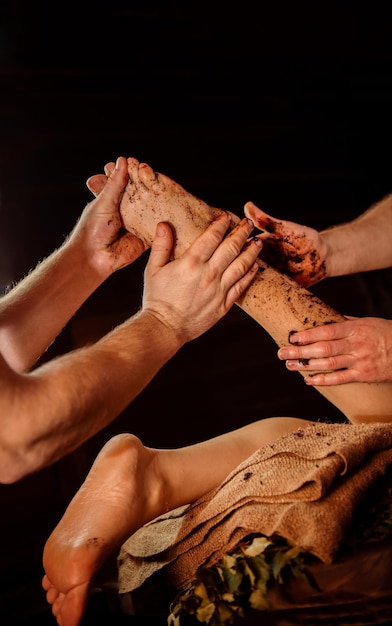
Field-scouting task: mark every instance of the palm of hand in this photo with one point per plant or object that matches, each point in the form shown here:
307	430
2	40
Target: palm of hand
289	247
108	245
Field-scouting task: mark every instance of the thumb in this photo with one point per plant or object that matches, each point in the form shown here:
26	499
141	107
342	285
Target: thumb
261	219
161	247
111	184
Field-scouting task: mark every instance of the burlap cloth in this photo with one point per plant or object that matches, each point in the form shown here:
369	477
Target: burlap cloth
304	487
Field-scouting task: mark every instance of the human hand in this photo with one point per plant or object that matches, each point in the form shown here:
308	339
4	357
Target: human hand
355	350
108	246
191	293
293	249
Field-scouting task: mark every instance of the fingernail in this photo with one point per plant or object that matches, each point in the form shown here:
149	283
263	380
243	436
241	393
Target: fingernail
160	230
223	216
118	164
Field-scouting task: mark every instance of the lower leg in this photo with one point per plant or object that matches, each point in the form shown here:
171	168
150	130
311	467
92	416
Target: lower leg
274	300
127	486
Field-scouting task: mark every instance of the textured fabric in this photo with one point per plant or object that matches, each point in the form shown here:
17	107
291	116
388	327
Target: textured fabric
304	487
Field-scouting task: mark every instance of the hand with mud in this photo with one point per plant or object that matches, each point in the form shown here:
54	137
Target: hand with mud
356	350
191	293
100	230
292	248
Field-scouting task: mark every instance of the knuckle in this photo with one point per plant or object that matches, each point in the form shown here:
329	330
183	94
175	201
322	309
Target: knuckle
332	363
325	349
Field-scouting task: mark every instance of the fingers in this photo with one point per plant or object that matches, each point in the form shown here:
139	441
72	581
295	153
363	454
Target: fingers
235	260
161	247
340	361
350	351
262	220
110	167
322	355
207	245
339	377
115	175
232	258
322	347
236	242
241	273
327	332
317	350
332	370
96	183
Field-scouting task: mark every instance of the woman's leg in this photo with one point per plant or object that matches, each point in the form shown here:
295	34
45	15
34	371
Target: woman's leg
274	300
129	485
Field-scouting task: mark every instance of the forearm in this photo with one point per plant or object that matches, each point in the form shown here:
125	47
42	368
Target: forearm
35	311
63	403
363	244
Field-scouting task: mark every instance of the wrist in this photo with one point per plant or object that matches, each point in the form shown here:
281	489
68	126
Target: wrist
162	334
92	265
337	252
327	252
143	339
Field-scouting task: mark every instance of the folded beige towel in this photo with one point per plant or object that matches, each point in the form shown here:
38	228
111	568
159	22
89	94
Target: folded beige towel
304	487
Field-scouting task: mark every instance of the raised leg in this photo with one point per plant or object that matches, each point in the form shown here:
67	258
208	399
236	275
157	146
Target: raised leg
274	300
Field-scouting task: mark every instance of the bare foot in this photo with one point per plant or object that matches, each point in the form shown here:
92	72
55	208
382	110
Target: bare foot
151	197
273	299
127	486
113	502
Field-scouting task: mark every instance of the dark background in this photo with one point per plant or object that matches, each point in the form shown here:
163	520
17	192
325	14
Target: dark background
286	104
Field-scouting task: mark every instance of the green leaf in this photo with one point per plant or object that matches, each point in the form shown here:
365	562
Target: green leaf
282	559
205	612
257	546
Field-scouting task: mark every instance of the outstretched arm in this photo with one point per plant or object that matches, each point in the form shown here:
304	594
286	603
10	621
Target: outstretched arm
59	405
354	350
363	244
35	311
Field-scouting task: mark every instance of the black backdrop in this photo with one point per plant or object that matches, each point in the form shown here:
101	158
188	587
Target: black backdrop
286	104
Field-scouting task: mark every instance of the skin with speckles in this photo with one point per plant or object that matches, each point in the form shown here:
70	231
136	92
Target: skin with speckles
150	197
273	299
291	248
130	484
